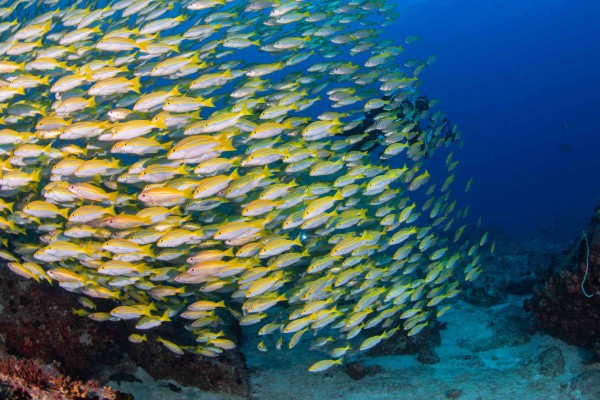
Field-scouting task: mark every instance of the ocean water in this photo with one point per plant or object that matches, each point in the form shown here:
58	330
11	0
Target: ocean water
519	80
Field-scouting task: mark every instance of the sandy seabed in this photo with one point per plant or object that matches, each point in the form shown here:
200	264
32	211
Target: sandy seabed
479	360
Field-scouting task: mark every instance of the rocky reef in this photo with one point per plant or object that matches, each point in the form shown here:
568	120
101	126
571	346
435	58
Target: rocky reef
567	304
27	379
38	331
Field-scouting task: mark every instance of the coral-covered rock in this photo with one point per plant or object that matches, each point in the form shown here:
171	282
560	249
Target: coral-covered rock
37	322
356	370
560	305
27	379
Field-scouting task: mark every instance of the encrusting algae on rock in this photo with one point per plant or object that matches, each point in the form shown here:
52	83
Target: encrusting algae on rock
145	160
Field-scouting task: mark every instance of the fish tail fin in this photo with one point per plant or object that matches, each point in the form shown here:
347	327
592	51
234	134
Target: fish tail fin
390	333
167	145
226	143
65	213
89	249
135	84
181	169
36	175
143	46
112	197
147	250
11	224
266	173
188	194
245	110
234	175
194	59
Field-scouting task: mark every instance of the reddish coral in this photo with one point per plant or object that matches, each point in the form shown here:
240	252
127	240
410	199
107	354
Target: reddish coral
37	322
29	379
559	305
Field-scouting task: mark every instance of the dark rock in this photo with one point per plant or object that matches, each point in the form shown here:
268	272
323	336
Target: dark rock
586	386
37	322
551	362
560	306
374	369
174	388
123	376
226	373
520	288
483	297
422	344
427	355
454	393
356	370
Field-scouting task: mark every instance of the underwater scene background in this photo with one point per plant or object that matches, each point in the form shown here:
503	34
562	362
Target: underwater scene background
353	199
519	78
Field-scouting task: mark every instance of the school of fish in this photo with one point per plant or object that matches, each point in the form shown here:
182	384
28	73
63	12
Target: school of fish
198	162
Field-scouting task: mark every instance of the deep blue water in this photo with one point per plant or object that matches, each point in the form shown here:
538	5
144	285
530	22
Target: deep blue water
521	79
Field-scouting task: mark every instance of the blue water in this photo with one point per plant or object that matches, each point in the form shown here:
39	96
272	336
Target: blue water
521	79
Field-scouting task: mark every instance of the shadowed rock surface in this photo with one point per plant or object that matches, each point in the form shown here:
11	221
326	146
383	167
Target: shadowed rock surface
560	306
37	323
